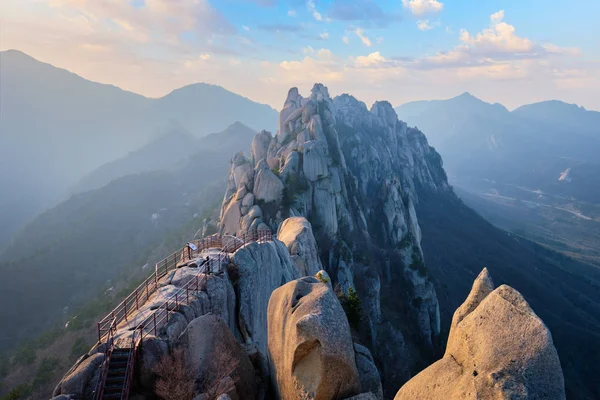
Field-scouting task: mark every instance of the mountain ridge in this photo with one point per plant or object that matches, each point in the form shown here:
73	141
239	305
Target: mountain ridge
71	126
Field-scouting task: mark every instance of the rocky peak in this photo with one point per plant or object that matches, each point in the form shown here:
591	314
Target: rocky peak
385	111
353	174
498	348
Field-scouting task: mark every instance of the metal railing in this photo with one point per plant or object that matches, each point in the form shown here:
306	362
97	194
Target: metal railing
136	338
110	345
183	296
142	293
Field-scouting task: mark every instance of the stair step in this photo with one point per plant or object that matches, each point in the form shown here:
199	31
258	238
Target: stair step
117	371
111	396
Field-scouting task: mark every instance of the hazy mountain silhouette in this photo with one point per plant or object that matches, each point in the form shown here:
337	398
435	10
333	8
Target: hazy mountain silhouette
166	152
56	127
70	253
530	146
534	170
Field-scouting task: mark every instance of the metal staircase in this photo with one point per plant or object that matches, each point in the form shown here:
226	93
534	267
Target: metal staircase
120	354
115	381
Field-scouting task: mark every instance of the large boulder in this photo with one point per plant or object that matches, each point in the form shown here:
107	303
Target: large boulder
81	380
297	234
152	351
310	347
498	348
214	355
261	268
260	146
267	186
315	161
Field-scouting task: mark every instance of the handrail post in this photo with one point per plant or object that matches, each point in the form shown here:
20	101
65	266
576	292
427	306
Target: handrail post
125	306
154	317
137	302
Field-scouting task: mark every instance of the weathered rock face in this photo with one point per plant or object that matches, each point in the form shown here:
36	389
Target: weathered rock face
82	379
370	381
214	354
297	234
310	347
498	348
262	268
353	173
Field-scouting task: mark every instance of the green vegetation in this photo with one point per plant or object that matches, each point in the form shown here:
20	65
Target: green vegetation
293	187
78	348
417	263
44	374
45	371
322	278
406	241
352	307
21	391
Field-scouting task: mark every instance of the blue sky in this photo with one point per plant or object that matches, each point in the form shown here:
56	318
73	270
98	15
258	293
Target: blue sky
512	52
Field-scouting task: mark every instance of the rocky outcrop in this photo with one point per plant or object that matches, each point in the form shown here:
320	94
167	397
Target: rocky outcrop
353	174
370	381
81	380
262	268
498	348
297	234
310	348
214	355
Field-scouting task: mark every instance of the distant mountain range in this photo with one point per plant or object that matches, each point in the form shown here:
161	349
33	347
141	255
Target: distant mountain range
57	127
166	152
70	253
530	146
534	171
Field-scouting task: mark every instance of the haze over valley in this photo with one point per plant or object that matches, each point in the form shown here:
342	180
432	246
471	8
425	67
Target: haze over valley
296	200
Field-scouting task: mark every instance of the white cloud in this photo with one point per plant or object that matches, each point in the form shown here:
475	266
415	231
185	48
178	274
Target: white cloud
370	60
291	13
361	34
422	7
424	25
244	27
324	35
499	37
310	4
497	17
379	39
144	53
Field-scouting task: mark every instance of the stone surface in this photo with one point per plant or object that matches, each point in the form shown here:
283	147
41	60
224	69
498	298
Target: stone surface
79	381
310	347
262	268
356	175
370	380
297	234
498	348
482	287
152	350
260	146
214	354
267	186
363	396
